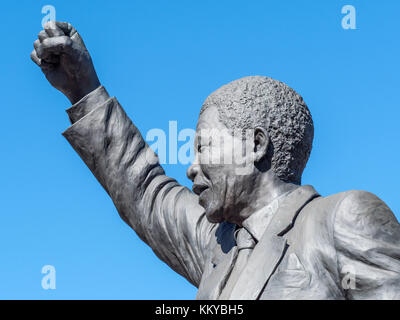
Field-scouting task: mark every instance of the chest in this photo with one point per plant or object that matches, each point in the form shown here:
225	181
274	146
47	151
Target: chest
291	272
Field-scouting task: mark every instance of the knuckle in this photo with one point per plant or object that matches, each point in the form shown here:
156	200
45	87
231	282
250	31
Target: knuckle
34	57
42	35
56	44
48	25
39	52
36	43
71	29
67	41
53	42
46	43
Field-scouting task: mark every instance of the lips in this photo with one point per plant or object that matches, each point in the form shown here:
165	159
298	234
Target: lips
199	188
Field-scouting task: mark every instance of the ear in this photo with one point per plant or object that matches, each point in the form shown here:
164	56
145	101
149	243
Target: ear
261	144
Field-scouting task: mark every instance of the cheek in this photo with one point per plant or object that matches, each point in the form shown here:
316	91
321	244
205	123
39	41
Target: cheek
211	173
215	179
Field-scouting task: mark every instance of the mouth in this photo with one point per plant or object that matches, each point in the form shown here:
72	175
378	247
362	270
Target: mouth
199	188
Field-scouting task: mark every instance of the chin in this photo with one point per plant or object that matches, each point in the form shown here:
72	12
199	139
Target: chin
214	218
213	211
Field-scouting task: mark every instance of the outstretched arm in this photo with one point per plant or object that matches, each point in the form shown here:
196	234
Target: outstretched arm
164	214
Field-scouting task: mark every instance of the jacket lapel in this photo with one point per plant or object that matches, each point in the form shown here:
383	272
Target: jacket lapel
220	263
268	253
215	279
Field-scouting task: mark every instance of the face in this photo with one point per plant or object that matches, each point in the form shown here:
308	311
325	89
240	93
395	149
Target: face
222	168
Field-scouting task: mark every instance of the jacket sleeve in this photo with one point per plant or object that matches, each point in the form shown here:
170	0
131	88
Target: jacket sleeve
367	240
163	213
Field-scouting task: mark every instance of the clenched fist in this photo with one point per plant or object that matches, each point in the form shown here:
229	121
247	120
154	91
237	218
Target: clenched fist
65	61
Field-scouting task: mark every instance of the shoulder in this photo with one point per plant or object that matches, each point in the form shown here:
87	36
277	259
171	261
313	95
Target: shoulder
360	199
352	204
355	210
364	213
355	205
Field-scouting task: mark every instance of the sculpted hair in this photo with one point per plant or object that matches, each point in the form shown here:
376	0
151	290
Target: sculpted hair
256	101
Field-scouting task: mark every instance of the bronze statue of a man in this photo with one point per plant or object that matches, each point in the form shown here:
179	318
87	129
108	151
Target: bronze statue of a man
258	235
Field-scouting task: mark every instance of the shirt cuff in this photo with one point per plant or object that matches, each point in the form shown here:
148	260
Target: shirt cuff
88	103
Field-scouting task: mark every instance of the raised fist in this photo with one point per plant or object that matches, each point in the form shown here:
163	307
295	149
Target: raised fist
65	61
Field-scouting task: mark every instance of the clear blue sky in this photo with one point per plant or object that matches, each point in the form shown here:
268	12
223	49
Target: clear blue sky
161	59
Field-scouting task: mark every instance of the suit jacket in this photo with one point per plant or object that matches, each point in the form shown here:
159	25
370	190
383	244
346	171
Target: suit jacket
345	246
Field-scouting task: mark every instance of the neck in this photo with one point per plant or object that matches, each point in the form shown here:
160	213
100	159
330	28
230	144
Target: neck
267	187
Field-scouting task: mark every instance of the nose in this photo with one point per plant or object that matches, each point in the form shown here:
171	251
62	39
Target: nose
192	171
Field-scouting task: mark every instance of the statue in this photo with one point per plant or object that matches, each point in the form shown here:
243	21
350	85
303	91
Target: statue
257	234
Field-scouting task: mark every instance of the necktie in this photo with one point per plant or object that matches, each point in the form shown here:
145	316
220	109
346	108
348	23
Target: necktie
245	245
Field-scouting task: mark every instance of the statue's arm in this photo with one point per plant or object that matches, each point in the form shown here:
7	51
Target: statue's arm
367	240
163	213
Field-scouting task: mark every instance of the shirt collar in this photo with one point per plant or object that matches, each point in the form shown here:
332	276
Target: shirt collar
258	222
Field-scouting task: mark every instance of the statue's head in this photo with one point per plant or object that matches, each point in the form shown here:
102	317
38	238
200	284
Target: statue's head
248	128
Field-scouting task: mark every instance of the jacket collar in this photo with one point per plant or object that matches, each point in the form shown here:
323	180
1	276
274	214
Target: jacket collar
271	248
258	222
